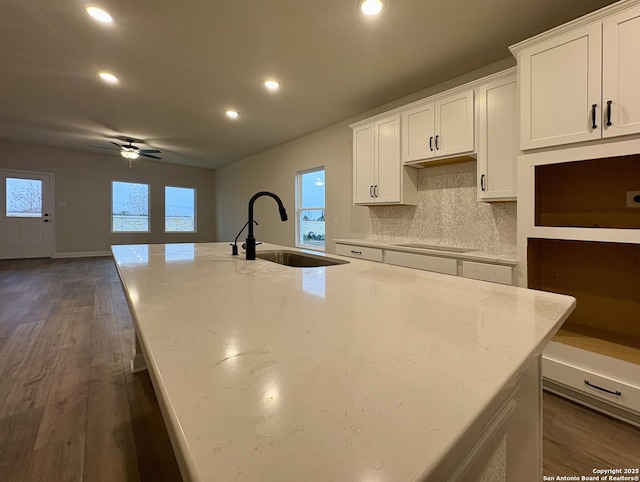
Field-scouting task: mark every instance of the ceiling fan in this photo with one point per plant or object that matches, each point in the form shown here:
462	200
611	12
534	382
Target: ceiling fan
129	151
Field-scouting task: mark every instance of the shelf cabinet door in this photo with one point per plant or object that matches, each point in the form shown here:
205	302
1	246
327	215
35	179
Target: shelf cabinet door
621	73
418	133
363	164
454	125
560	81
387	149
497	104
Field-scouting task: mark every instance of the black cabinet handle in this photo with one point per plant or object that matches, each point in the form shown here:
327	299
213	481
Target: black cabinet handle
375	191
593	116
356	252
371	191
431	143
437	146
609	113
616	393
482	182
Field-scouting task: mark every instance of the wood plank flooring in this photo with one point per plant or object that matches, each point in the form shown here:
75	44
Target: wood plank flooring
70	408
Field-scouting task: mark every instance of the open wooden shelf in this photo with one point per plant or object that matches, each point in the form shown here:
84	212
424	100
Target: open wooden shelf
605	280
590	194
604	342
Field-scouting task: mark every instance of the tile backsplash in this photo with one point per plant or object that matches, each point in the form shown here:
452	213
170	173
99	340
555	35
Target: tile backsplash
448	214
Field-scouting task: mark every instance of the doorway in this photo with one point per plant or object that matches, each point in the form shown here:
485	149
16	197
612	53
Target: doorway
26	221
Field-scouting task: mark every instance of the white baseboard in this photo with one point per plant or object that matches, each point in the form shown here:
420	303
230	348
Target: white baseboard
82	254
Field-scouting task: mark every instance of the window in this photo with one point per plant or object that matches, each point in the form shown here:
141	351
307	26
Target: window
130	207
179	209
24	198
310	209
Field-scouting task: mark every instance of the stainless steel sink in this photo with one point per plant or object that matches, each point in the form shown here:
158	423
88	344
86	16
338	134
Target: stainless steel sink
298	260
436	248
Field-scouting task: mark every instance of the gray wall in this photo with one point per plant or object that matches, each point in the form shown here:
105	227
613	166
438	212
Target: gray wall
83	186
275	170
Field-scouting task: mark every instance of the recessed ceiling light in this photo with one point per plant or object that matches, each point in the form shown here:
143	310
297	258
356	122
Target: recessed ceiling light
99	14
371	7
107	77
272	84
232	114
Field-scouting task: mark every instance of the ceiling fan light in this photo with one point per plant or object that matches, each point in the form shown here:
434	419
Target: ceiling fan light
99	14
129	154
232	114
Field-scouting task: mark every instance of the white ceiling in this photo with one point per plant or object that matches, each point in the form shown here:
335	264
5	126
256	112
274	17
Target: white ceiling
182	64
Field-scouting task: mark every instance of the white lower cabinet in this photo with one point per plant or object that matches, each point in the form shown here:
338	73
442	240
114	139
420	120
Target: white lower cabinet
604	383
447	264
487	272
421	261
361	252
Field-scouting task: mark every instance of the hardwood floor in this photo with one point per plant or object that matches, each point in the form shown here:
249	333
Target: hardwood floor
70	408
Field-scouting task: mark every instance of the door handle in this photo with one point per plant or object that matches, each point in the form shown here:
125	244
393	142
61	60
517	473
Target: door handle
437	145
371	191
375	190
431	143
609	112
593	116
482	187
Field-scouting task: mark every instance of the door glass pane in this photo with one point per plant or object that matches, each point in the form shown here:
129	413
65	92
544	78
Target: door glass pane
24	198
311	209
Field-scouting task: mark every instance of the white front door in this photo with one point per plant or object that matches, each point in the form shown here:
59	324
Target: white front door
26	220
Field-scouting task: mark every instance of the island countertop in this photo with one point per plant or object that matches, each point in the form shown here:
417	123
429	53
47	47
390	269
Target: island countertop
360	371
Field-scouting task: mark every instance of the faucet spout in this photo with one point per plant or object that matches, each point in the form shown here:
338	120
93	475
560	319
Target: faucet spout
251	240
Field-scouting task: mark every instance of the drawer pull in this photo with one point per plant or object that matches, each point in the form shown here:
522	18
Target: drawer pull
356	252
616	393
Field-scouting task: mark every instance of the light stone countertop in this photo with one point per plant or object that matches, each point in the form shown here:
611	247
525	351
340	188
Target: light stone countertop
509	259
356	372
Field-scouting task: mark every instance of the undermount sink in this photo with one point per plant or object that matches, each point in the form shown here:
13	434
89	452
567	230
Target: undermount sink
298	260
437	248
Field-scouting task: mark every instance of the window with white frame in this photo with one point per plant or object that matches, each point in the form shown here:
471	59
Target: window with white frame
310	209
179	209
129	207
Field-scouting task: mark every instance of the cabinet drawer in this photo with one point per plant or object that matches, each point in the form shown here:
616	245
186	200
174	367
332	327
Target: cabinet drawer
487	272
421	261
602	388
362	252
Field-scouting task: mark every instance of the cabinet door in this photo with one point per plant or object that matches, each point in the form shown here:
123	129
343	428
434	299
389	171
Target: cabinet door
454	125
417	133
560	82
621	73
387	186
363	164
497	105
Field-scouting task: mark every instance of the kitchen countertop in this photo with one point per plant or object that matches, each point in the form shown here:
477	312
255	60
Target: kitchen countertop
360	371
509	259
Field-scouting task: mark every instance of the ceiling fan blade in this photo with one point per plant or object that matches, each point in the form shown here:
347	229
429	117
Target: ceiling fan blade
149	155
149	151
119	146
102	147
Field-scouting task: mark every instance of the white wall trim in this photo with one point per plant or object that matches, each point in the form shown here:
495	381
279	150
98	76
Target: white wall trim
82	254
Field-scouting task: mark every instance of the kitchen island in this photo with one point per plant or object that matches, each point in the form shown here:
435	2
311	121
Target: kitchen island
355	372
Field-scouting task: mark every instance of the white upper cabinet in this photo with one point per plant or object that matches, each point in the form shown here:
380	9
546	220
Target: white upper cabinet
497	105
378	174
580	83
454	125
439	128
621	73
418	133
